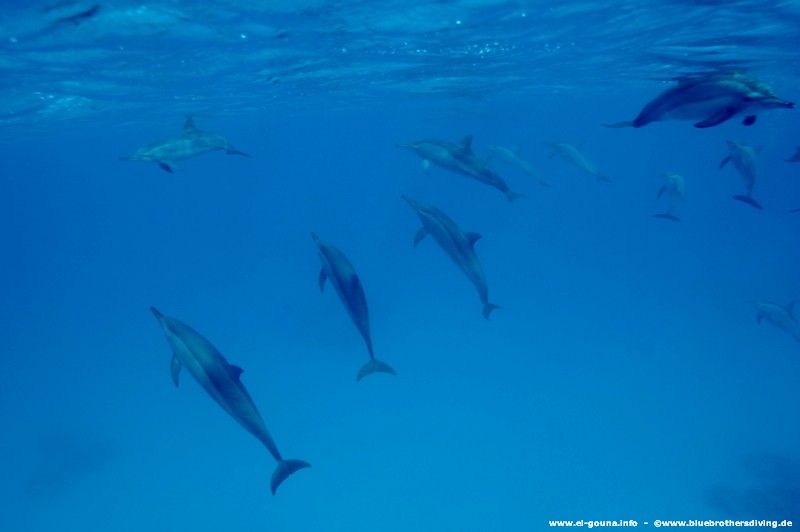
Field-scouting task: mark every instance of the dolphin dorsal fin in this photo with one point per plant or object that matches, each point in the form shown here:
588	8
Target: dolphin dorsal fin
175	369
473	237
189	124
466	143
236	371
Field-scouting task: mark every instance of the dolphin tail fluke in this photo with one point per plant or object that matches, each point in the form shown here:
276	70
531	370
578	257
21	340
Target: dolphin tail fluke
488	308
667	216
514	196
374	366
749	201
283	470
626	123
237	152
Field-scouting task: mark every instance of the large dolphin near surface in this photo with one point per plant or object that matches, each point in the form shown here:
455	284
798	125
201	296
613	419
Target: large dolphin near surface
222	382
459	157
458	245
710	100
190	142
573	155
674	189
779	316
340	272
744	159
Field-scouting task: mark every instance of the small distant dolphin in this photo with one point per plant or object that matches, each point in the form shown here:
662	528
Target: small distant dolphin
189	143
675	188
779	316
711	99
794	158
512	157
344	279
221	380
743	158
459	158
574	156
458	245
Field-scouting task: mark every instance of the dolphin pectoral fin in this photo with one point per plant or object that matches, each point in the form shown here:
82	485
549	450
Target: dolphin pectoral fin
488	308
749	120
749	201
166	167
626	123
420	235
426	166
374	366
189	124
175	369
322	277
473	237
237	152
660	192
667	216
513	196
717	118
283	470
724	161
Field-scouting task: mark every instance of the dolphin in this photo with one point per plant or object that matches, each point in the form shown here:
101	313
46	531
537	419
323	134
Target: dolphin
459	158
574	156
222	382
511	156
675	188
190	142
712	99
779	316
344	279
794	158
743	158
458	245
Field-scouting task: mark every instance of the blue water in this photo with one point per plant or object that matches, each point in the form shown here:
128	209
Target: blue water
625	376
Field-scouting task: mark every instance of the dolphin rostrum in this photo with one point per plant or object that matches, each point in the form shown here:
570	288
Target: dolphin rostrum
189	143
674	188
222	382
711	99
743	158
779	316
511	156
343	277
459	158
574	156
458	245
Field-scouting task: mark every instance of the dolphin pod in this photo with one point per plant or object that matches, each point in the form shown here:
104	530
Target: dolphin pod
338	269
458	245
221	381
190	142
710	99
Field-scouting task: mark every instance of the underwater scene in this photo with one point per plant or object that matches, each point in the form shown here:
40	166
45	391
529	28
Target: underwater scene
463	265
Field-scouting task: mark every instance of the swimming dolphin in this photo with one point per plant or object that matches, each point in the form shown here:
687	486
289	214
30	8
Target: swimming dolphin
794	158
344	279
674	187
458	245
189	143
711	99
574	156
511	156
779	316
743	158
459	158
221	381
